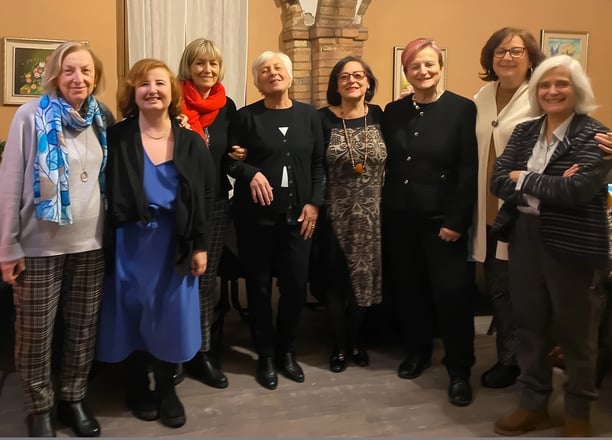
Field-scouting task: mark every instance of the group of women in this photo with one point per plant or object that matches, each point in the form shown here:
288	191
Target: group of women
394	189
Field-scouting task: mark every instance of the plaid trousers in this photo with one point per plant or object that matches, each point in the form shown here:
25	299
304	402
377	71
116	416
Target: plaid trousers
76	281
208	280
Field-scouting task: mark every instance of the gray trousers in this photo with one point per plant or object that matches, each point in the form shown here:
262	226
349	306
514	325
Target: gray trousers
554	299
498	289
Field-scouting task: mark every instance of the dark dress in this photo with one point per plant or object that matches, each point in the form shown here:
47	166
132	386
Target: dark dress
353	202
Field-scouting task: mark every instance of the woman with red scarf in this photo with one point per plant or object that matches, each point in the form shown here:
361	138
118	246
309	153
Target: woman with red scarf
209	111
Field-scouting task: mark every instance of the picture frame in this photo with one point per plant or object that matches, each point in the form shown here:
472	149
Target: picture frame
572	43
24	66
401	84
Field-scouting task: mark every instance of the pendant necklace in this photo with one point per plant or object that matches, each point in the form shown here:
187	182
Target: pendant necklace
82	162
359	167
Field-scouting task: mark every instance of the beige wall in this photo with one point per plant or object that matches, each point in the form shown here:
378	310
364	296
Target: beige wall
461	27
95	22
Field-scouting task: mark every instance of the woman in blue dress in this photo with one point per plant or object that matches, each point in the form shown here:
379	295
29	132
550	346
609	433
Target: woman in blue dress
161	182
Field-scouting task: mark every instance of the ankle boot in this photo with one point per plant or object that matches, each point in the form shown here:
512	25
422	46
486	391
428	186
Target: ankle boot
521	421
202	368
576	427
138	395
171	410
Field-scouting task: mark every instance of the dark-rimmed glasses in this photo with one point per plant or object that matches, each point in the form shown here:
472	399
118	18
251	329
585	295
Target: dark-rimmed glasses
346	76
515	52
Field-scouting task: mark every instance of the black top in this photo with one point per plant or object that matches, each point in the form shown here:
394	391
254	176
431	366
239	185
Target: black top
432	163
125	186
218	145
291	161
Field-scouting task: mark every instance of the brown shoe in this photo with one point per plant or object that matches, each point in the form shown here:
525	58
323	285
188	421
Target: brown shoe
522	421
575	427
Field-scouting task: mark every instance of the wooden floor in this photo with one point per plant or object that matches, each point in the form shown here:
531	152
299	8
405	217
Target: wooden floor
361	402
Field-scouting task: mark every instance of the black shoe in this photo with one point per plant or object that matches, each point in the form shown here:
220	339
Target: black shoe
142	401
179	375
266	373
361	358
202	369
78	417
171	410
459	391
413	367
500	376
287	365
39	425
337	362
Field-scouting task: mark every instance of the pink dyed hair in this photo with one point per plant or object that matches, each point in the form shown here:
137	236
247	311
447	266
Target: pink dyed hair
415	46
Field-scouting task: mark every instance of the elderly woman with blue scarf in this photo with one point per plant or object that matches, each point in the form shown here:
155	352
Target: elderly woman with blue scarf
51	198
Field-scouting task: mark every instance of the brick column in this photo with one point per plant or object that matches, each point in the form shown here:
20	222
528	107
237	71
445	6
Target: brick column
336	33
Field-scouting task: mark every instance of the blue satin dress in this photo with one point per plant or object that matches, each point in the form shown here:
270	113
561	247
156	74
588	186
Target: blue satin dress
146	304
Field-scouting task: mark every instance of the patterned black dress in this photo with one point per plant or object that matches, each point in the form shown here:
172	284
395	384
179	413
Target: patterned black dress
353	199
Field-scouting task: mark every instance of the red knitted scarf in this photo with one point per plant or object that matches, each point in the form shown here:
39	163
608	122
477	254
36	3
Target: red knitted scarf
202	111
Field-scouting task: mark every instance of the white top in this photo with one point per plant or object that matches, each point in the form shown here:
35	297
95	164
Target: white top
516	111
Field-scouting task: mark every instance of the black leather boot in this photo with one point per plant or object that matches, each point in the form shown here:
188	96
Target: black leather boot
78	417
266	373
139	397
288	366
171	410
202	368
39	425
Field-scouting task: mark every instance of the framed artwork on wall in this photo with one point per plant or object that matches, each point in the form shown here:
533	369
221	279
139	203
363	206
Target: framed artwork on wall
25	61
401	86
574	44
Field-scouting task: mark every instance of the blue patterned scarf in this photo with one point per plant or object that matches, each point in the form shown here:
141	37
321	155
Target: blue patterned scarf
51	165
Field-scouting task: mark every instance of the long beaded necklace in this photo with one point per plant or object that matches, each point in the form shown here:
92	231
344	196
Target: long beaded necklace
359	167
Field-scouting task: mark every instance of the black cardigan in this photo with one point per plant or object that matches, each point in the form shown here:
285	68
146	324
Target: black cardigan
196	192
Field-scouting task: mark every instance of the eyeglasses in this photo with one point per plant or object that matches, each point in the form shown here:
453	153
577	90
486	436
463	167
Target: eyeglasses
346	76
515	52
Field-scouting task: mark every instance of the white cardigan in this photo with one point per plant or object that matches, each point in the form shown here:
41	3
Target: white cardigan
516	111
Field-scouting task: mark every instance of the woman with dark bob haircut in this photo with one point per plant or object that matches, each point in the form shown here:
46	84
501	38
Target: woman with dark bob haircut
347	247
488	57
508	59
333	95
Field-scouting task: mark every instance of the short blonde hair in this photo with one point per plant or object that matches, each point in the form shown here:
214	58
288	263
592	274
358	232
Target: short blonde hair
54	66
126	98
267	56
199	48
585	99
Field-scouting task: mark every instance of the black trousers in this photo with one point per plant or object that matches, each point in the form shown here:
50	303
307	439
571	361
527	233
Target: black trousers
267	248
430	277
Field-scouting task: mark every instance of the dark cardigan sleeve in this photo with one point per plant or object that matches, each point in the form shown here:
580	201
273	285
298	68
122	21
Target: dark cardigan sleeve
460	212
580	187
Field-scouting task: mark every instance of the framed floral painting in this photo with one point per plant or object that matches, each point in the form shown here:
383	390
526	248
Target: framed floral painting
25	61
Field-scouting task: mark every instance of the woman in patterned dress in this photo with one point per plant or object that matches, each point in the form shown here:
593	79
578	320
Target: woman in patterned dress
349	240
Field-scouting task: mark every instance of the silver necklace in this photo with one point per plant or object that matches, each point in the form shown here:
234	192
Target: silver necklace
82	162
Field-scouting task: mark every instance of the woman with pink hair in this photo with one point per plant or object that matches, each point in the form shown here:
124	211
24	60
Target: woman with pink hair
428	204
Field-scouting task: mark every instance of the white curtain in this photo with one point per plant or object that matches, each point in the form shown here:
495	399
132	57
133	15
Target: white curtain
162	28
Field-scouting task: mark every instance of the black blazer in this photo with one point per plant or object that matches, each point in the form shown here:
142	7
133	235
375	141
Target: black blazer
572	209
196	191
432	159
